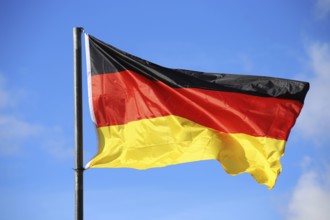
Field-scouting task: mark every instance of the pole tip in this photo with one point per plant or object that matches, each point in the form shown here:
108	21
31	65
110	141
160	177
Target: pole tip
81	29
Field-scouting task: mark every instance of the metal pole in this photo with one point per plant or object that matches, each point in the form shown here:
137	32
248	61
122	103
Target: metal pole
78	127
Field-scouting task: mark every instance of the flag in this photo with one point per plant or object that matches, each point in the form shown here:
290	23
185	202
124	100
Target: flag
150	116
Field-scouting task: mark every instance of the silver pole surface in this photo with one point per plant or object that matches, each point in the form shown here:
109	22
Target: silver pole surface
78	124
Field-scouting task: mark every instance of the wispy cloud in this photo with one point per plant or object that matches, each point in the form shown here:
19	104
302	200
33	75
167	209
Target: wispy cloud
13	132
322	8
8	97
315	118
16	132
4	97
56	143
311	197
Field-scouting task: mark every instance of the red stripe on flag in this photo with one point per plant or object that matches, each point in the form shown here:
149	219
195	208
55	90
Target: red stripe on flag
119	98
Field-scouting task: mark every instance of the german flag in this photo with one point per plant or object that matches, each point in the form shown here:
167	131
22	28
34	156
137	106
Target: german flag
151	116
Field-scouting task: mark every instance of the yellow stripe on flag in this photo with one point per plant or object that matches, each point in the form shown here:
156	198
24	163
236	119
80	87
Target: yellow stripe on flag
169	140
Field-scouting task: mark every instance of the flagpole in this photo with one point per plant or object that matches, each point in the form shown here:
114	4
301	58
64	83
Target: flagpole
78	124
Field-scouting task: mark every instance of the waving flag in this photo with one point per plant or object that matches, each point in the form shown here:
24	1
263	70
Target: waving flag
150	116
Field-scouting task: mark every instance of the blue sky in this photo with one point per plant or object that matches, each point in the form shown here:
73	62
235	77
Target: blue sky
289	39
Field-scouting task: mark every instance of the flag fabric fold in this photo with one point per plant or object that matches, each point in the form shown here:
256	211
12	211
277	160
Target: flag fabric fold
149	116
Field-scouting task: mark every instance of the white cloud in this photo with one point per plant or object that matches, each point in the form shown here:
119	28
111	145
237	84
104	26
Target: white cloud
13	127
17	133
314	121
311	197
4	98
322	8
320	57
56	144
10	97
13	132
